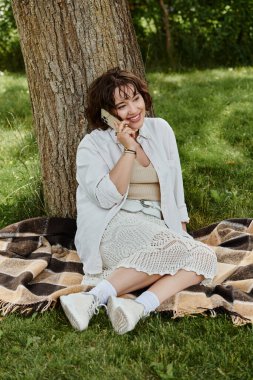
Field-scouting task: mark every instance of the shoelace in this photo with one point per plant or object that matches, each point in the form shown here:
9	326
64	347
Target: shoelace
103	305
94	308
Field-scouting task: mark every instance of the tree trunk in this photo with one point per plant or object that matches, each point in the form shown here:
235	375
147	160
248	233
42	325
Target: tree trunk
166	26
66	44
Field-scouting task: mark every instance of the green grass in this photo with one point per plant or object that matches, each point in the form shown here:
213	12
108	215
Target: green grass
20	191
212	115
45	347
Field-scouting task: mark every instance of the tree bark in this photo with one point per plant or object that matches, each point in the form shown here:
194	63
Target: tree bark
165	11
66	44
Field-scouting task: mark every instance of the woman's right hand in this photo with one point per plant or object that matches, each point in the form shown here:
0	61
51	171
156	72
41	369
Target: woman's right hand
126	135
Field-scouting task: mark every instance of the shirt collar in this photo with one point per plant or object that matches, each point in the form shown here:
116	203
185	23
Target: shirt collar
143	132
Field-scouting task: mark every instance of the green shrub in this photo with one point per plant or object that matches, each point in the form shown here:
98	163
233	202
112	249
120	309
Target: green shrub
10	52
204	33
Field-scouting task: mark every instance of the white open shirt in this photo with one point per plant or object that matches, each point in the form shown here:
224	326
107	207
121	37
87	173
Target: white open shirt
98	199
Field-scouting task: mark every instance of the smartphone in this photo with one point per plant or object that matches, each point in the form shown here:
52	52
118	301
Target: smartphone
108	118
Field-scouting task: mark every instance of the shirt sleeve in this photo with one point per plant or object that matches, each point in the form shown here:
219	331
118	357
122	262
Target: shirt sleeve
93	177
179	187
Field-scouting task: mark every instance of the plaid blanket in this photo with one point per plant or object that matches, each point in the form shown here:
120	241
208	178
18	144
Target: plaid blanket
38	264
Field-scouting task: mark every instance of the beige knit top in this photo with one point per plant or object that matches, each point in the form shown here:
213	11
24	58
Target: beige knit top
144	183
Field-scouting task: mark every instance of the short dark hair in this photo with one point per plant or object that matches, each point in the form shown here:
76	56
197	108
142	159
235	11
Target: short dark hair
101	94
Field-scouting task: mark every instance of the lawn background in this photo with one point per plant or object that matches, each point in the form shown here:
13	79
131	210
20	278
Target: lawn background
212	115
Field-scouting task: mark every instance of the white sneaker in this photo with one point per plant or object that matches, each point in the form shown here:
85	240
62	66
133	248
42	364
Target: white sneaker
124	313
79	308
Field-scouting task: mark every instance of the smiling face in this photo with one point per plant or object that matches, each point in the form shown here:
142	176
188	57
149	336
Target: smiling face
129	106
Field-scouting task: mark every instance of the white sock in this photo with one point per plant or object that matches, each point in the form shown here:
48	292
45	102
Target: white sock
149	300
103	291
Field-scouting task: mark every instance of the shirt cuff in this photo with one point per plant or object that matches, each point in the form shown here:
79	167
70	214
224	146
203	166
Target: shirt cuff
183	214
106	191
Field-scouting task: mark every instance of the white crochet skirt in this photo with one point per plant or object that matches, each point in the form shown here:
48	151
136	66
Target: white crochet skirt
143	242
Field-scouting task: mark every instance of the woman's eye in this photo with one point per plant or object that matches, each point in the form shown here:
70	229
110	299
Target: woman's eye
137	98
120	107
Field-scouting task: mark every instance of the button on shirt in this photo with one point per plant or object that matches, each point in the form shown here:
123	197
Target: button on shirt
98	199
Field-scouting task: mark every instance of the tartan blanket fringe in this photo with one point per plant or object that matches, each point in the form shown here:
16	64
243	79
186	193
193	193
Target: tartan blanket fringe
26	310
237	319
38	264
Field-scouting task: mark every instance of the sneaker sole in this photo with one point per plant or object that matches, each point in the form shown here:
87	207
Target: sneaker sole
120	324
117	317
110	309
70	317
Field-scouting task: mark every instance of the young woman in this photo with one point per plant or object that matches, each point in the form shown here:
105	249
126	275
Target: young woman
131	213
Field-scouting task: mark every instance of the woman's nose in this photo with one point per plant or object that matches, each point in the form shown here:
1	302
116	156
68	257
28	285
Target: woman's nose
132	108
